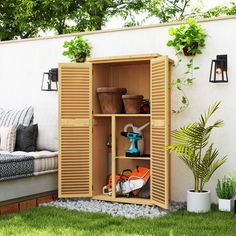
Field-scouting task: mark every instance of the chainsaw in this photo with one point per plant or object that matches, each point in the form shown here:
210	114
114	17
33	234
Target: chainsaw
129	181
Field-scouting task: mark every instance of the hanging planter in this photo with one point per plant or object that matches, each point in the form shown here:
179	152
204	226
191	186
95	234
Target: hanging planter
188	40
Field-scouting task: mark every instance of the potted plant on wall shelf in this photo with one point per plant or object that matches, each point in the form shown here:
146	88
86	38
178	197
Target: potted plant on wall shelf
191	146
225	190
78	49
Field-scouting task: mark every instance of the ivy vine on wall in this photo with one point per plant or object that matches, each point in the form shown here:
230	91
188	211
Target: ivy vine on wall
188	41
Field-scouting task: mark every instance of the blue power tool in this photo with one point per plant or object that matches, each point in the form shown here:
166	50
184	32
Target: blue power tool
134	137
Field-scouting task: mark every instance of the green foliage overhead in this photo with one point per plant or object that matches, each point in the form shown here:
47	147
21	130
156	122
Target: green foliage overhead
168	10
172	10
78	49
225	188
26	18
190	143
225	9
20	18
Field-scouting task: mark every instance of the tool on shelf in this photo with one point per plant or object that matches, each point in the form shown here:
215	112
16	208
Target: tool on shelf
107	189
136	181
134	137
145	107
139	131
130	183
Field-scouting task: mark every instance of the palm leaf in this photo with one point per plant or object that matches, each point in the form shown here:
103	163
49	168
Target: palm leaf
192	135
209	164
211	110
190	162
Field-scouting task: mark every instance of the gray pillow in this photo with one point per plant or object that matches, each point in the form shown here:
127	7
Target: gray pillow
26	138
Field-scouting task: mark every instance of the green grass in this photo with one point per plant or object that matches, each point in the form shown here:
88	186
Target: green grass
52	221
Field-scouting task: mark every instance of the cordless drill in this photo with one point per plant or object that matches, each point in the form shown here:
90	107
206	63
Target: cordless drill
134	137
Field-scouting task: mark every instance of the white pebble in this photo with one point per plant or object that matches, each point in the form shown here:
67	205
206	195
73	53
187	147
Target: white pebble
115	209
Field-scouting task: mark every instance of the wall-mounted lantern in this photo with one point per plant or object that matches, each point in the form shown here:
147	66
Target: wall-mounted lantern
49	80
218	73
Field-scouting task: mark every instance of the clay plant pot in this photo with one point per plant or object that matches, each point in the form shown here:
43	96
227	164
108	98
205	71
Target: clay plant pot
132	103
110	99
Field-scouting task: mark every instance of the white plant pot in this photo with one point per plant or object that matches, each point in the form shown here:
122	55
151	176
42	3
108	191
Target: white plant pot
226	204
198	202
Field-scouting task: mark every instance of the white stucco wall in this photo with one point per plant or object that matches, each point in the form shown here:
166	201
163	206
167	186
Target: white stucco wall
23	63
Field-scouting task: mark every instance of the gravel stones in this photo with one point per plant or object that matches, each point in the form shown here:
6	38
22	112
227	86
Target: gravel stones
115	209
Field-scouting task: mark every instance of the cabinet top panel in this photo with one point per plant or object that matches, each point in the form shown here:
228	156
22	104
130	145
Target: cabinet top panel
125	58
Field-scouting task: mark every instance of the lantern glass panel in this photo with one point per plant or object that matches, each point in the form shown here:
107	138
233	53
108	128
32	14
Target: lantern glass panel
47	83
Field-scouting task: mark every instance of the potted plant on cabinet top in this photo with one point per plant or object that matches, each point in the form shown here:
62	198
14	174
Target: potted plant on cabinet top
191	146
78	49
225	190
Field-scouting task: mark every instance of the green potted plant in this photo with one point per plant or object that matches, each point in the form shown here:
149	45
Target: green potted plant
225	190
190	143
188	39
78	49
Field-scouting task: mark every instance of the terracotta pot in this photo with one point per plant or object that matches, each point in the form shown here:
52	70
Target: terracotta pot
132	103
110	99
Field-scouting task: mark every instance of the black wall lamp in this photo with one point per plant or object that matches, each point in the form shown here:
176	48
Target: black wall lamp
218	73
49	80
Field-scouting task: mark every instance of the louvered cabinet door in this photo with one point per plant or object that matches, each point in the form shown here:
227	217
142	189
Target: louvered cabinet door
75	130
160	107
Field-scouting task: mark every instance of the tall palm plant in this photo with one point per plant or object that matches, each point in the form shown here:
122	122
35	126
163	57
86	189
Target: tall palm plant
191	145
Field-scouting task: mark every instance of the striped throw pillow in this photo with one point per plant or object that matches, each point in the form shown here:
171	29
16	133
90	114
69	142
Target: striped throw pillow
8	138
16	117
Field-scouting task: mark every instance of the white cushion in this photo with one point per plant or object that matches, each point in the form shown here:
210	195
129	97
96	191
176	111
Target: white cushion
8	138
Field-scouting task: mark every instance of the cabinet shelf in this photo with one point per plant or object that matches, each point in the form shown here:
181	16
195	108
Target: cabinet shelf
122	115
133	158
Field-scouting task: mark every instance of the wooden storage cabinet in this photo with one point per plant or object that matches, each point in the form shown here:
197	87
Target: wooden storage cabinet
84	130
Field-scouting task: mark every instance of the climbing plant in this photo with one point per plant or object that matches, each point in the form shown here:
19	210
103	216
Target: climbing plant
188	41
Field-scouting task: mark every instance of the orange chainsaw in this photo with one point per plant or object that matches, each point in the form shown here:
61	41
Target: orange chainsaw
107	190
129	181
